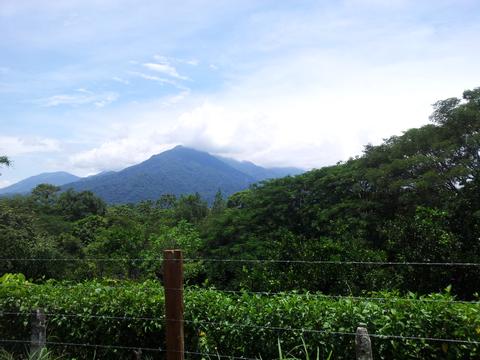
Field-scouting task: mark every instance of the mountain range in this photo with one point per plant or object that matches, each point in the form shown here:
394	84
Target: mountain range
178	171
26	185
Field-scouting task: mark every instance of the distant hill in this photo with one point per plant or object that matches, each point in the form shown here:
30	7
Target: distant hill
178	171
25	186
261	173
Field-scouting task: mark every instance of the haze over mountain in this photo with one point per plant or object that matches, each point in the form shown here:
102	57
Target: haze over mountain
260	173
25	186
178	171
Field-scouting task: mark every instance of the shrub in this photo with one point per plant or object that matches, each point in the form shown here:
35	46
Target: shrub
130	314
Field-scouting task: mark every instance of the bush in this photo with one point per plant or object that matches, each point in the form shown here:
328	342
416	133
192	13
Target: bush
131	315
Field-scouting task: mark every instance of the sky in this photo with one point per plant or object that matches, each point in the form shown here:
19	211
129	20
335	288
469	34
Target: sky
94	85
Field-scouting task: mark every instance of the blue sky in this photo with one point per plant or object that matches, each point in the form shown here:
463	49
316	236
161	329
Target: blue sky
87	85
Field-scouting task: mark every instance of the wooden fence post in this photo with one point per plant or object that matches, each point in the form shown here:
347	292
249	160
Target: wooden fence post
363	345
39	333
173	283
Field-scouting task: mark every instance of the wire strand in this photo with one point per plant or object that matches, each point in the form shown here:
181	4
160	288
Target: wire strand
319	295
94	316
276	328
161	289
80	259
85	345
266	261
334	262
133	348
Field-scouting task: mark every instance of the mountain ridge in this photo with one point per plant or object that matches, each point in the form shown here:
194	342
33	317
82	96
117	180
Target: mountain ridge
179	171
26	185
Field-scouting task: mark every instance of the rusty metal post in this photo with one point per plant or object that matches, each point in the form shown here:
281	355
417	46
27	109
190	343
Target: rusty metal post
173	283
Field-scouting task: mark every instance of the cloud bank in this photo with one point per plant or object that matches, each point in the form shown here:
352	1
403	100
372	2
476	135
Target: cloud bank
305	84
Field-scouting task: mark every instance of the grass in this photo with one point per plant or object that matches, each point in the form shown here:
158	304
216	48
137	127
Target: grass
43	354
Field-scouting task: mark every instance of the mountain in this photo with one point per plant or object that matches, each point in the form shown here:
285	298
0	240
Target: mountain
260	173
25	186
177	171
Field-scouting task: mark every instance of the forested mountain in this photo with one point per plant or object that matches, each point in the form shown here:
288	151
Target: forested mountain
26	185
178	171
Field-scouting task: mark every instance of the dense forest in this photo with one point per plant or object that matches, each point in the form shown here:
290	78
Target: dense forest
413	199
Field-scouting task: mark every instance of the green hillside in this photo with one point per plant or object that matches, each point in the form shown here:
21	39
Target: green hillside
178	171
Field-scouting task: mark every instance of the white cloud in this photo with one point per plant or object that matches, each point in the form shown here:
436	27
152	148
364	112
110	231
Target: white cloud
307	86
309	109
153	78
5	183
82	97
14	145
164	66
193	62
121	80
117	154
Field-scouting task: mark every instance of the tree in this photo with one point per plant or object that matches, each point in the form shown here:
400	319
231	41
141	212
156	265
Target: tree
415	197
219	203
77	205
16	238
191	208
45	195
5	161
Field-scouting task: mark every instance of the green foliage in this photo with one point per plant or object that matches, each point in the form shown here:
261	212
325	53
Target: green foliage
77	205
16	238
43	354
131	314
416	197
45	195
182	236
219	203
5	161
191	208
305	355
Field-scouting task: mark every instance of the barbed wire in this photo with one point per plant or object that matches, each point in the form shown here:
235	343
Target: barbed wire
334	262
85	345
275	328
267	293
80	259
319	295
132	348
257	261
94	316
139	286
160	289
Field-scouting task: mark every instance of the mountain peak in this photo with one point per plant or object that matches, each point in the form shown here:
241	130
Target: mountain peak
180	170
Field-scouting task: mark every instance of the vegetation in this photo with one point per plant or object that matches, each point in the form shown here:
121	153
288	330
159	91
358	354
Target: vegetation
131	314
414	198
4	161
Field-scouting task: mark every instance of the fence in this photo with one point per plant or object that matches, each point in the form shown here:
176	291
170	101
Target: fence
174	319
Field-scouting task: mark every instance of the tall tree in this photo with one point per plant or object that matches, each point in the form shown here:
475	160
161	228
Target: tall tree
5	161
